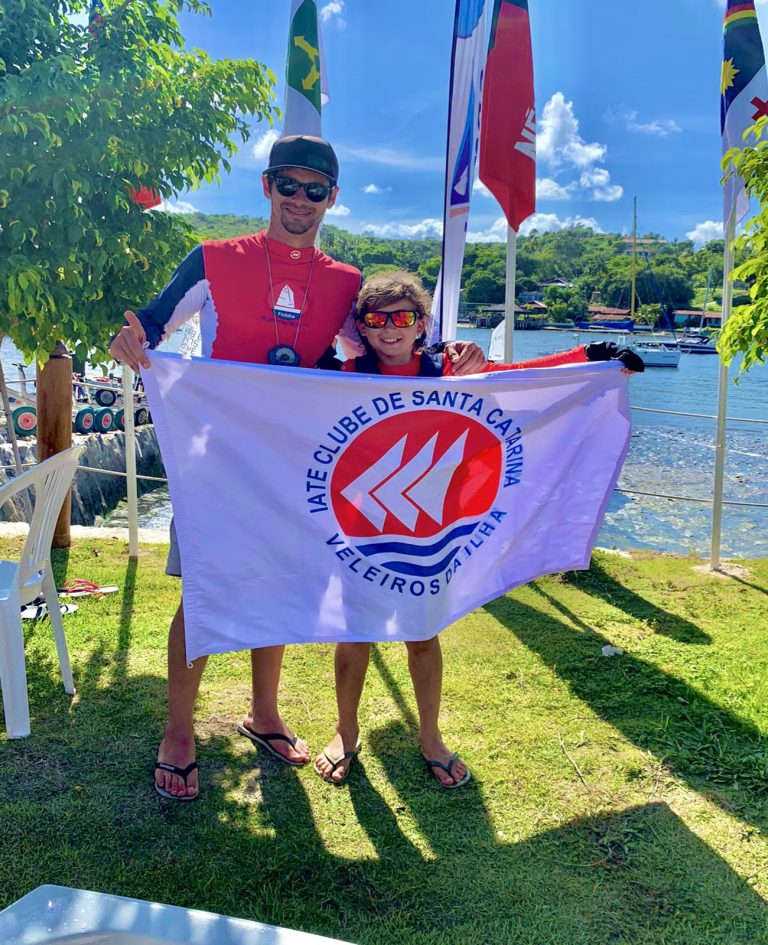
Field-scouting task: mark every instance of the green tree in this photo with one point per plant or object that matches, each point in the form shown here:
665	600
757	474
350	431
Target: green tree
429	271
482	286
746	331
564	304
88	116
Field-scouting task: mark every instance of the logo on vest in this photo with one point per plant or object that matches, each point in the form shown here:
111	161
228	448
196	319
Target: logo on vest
411	486
285	307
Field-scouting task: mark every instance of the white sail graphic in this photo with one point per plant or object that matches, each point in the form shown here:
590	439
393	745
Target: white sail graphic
421	485
285	299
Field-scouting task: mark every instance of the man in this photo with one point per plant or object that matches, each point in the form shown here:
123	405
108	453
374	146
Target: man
266	298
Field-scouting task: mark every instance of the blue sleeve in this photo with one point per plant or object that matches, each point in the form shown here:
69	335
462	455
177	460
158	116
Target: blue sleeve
179	300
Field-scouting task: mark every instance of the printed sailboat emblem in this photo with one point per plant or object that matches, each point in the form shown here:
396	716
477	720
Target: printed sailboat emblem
285	307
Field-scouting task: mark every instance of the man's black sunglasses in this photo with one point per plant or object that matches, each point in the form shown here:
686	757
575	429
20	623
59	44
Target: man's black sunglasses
288	186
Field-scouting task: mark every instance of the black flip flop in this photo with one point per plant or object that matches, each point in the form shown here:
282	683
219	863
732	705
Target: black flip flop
334	763
266	738
448	768
183	773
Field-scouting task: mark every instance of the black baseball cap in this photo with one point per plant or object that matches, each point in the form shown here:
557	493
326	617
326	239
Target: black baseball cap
306	152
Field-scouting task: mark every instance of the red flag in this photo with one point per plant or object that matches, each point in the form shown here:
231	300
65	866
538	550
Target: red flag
508	114
145	197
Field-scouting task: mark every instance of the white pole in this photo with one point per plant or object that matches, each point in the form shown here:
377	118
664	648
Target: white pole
509	296
722	402
130	463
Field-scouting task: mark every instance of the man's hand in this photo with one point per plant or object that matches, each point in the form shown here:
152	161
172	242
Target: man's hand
466	357
128	344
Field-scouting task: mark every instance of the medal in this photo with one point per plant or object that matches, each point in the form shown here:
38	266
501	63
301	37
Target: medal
284	355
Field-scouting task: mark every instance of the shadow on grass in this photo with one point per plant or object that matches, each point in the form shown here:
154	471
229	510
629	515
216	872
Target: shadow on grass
597	582
78	809
126	617
719	754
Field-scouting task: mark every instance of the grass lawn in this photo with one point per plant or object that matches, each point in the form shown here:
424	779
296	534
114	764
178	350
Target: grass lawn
617	800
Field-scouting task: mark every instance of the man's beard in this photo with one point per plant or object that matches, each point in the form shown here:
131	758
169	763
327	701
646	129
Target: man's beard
296	226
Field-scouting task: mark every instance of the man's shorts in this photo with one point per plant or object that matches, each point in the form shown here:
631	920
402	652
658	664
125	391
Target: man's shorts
173	565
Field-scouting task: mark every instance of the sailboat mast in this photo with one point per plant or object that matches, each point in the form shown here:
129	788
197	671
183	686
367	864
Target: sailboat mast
634	261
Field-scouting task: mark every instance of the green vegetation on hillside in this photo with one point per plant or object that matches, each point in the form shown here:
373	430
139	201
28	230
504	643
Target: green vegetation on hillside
598	265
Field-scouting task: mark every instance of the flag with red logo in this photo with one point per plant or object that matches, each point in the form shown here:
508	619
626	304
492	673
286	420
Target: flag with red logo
321	507
508	115
743	91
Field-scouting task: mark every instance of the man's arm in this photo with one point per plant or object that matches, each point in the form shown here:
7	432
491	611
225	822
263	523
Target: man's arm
183	297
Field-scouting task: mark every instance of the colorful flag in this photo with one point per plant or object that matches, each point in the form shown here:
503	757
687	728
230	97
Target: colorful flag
508	115
391	508
305	79
467	62
743	91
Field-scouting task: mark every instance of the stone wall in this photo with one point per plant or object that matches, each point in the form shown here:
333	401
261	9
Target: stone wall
92	493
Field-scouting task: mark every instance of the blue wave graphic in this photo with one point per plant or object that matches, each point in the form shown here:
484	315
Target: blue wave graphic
421	570
420	551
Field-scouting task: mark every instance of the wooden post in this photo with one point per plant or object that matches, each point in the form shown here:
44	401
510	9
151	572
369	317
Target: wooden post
54	424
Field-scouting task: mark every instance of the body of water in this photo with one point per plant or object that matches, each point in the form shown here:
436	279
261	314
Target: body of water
669	454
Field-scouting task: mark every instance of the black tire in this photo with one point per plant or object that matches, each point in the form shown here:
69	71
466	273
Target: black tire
105	398
140	416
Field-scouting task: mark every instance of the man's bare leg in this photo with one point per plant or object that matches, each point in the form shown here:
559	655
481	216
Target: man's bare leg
351	665
178	745
425	663
263	715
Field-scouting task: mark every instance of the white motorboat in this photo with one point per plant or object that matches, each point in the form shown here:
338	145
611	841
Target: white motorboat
655	355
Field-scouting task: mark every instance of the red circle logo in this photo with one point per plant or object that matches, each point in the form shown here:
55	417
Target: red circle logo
415	475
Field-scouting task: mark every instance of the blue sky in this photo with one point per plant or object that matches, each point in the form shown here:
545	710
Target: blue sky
627	98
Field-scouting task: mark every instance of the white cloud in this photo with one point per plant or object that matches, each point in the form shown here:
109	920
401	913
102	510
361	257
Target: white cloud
479	188
263	145
391	157
551	223
496	233
375	189
706	231
560	145
598	182
548	189
660	126
559	142
426	229
338	210
333	11
181	206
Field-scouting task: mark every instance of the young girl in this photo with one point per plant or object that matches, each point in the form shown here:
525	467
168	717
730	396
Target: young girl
392	313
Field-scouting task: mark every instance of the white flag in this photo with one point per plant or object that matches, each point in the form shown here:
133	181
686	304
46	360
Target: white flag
469	52
318	507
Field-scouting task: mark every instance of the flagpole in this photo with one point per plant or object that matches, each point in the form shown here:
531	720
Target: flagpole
722	401
509	295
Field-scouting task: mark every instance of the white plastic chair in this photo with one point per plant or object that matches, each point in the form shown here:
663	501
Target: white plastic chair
23	580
